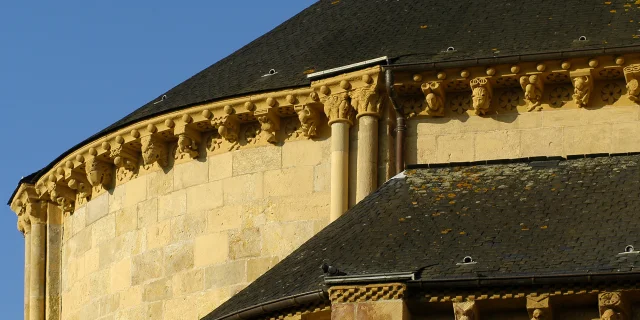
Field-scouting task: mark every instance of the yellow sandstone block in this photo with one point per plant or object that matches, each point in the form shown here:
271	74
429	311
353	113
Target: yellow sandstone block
211	249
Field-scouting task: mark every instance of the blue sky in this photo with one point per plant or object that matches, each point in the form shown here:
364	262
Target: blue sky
71	68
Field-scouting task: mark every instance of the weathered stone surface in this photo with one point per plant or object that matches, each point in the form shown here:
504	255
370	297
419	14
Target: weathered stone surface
190	174
504	143
79	218
279	239
224	275
159	235
242	189
172	205
626	137
178	257
189	226
541	142
126	220
388	310
322	177
244	243
256	160
204	197
130	297
286	182
103	230
211	249
120	275
421	150
147	213
159	183
147	266
257	267
225	218
157	290
220	166
346	311
587	139
116	198
97	208
136	191
304	153
188	282
455	147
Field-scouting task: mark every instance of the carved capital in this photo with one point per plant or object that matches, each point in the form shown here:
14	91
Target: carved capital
126	161
539	307
269	124
188	143
24	224
36	211
99	173
632	76
154	150
481	95
582	87
465	310
366	101
533	87
613	305
434	96
338	108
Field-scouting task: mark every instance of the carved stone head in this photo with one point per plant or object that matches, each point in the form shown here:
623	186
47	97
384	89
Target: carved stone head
481	95
633	87
610	315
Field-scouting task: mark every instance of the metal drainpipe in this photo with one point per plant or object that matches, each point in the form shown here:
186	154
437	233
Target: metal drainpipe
401	126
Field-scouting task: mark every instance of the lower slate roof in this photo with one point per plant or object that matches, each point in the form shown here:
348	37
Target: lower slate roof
534	218
336	33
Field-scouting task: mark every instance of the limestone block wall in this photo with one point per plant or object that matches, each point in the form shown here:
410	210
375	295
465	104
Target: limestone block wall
613	128
176	244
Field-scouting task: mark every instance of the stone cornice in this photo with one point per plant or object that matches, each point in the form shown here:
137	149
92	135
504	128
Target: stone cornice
291	114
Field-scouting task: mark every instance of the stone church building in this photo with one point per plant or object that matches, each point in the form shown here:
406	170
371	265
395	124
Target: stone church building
366	159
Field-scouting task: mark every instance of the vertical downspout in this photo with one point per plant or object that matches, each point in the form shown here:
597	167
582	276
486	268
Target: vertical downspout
401	126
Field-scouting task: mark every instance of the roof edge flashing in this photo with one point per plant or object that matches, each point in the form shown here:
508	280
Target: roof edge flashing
371	278
275	305
349	67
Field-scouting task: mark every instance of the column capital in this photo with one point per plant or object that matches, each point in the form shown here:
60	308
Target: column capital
338	108
366	101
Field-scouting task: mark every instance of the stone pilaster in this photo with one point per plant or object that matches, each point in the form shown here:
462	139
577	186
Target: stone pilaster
53	260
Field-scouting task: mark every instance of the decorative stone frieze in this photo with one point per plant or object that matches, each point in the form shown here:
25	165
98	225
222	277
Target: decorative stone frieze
309	117
227	125
269	124
582	87
538	307
81	186
465	310
632	76
154	150
533	87
613	305
481	96
366	101
434	96
338	108
375	292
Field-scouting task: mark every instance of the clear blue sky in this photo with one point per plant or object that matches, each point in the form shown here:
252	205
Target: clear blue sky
70	68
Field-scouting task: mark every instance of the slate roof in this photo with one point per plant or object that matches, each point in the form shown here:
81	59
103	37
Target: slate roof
335	33
535	218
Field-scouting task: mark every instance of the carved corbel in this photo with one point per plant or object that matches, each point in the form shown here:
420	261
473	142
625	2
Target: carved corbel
61	194
338	108
613	305
465	310
434	97
539	307
125	159
154	150
24	224
582	87
227	125
269	124
309	116
533	87
481	95
632	76
36	211
188	142
366	101
81	186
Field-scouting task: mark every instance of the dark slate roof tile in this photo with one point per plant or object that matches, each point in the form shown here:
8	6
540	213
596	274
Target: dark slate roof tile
514	219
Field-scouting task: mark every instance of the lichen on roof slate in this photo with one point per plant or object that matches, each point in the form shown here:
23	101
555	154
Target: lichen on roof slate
553	217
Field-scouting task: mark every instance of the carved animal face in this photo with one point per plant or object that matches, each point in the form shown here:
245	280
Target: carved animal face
610	315
633	87
480	98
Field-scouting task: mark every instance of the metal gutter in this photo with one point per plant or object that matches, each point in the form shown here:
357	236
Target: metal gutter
371	278
312	297
401	126
596	277
551	55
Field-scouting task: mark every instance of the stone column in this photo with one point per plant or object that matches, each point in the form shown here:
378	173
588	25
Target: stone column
53	256
366	100
374	302
340	112
25	227
37	212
